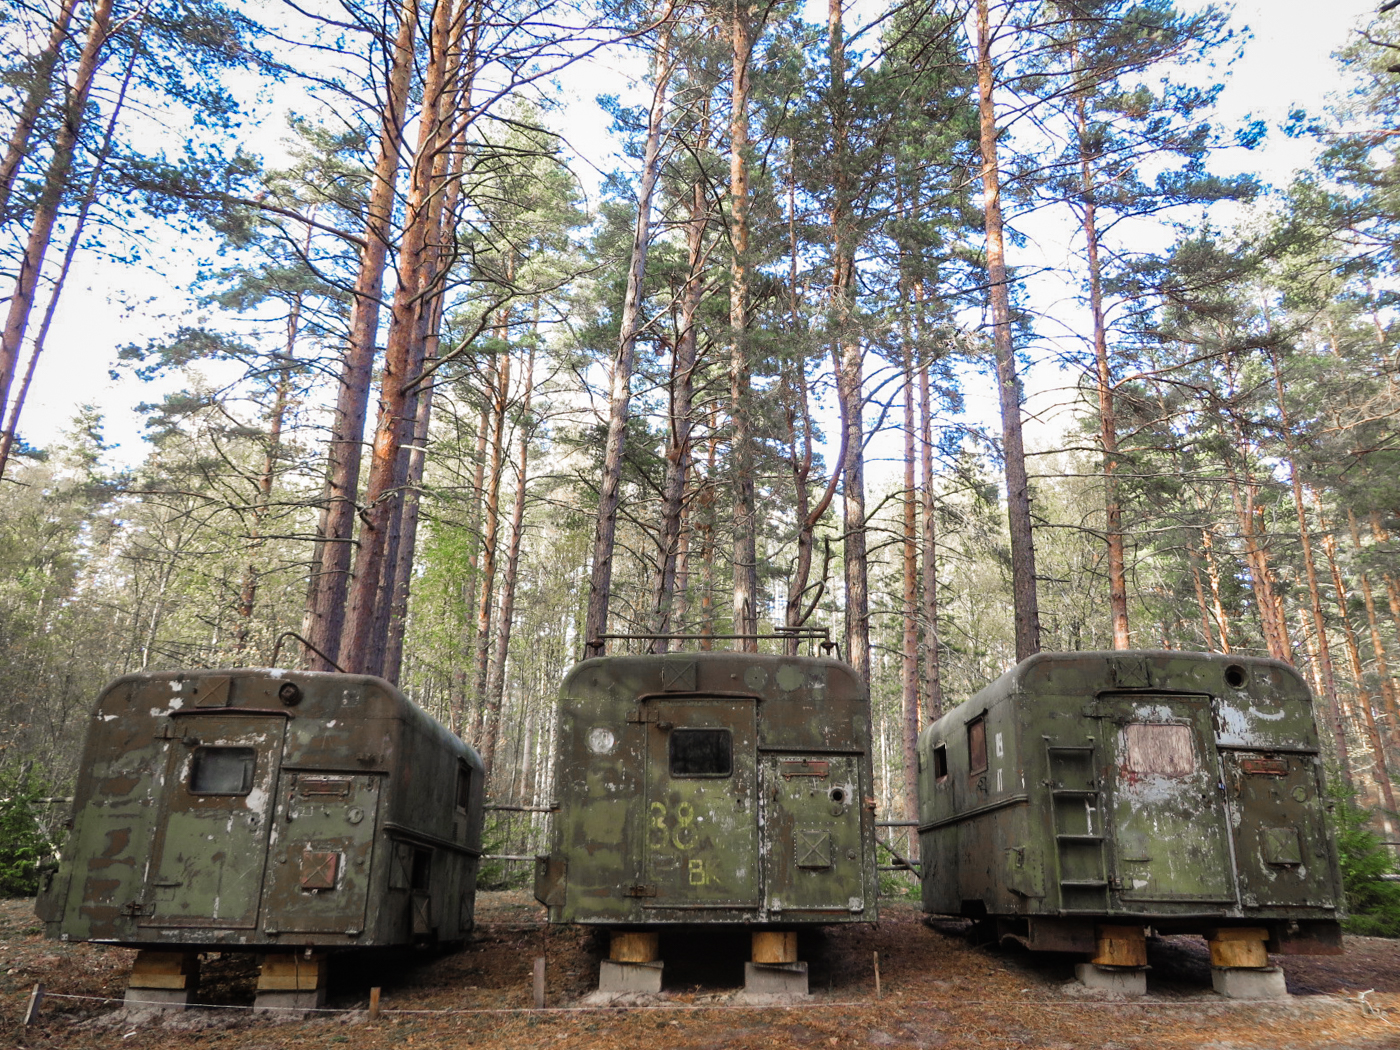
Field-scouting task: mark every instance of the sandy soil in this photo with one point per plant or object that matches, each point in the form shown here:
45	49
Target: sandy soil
936	991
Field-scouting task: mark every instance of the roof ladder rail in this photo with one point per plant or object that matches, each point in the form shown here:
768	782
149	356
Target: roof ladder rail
1077	815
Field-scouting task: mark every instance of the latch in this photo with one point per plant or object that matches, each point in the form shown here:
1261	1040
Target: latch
640	891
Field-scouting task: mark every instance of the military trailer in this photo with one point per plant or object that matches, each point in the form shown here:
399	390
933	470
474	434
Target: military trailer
704	788
284	812
1083	797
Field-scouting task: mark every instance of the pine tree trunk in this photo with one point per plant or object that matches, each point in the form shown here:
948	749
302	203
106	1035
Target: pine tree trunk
682	421
849	358
491	511
909	677
1377	647
1108	425
1018	501
1324	649
40	87
496	678
325	614
75	236
933	686
262	501
45	215
1381	771
363	639
620	397
745	551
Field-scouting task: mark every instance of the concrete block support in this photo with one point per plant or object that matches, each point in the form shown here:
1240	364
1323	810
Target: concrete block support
626	978
781	980
1119	980
138	999
1265	983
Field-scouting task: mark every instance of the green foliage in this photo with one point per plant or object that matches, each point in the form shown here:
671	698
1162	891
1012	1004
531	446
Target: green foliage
499	835
1372	901
23	843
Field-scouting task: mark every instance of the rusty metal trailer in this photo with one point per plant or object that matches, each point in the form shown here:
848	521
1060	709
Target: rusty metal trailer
265	810
1103	790
705	788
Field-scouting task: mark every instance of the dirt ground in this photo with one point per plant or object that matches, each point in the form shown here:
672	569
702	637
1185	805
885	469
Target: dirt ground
936	991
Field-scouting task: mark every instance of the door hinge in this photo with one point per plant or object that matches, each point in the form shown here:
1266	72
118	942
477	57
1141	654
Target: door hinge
641	891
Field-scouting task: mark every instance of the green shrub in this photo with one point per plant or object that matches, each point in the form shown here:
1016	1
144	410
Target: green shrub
1372	901
22	842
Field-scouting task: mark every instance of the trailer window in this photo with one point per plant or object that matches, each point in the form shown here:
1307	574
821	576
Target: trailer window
977	746
940	762
222	770
701	753
1163	748
464	788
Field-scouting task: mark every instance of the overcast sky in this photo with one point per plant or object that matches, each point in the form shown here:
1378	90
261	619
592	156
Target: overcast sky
1286	64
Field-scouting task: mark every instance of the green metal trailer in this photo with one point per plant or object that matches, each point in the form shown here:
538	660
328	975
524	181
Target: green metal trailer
267	810
1182	791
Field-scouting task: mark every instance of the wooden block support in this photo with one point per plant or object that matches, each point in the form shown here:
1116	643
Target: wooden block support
172	970
775	946
629	946
1120	946
292	972
1238	947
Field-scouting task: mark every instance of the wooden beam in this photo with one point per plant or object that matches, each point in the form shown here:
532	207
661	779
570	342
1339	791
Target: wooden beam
1120	946
775	946
631	946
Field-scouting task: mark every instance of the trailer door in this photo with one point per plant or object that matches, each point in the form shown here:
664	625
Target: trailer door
1280	829
321	851
814	862
1168	835
701	841
211	843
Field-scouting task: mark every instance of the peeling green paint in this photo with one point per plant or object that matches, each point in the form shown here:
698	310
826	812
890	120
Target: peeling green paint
779	830
264	809
1182	790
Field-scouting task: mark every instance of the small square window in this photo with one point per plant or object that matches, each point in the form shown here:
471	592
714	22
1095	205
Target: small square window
464	788
940	762
701	753
222	770
977	746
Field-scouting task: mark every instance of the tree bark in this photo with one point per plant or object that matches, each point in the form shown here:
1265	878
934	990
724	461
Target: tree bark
325	615
933	686
496	678
909	677
41	225
1381	771
362	643
745	552
40	85
1108	425
682	420
620	396
1018	502
1324	649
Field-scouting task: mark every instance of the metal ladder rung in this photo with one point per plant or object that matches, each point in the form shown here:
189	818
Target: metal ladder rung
1079	838
1084	883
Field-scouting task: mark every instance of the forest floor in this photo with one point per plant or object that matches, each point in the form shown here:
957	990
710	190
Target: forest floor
937	991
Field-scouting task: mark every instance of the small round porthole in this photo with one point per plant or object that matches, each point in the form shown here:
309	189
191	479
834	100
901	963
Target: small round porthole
601	740
837	795
1235	676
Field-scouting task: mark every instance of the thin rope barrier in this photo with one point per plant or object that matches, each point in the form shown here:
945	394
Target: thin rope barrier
1368	1008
